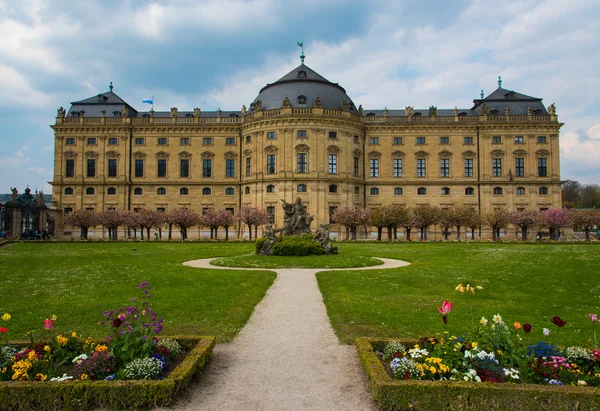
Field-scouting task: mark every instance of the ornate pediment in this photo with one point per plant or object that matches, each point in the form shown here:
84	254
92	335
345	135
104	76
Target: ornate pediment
70	154
333	149
207	154
91	154
469	154
542	153
247	152
497	153
374	154
398	154
357	152
139	154
271	149
421	154
445	154
230	155
112	154
519	153
162	154
184	154
302	148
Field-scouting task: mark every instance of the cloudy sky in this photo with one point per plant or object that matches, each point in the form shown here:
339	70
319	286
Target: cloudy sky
219	53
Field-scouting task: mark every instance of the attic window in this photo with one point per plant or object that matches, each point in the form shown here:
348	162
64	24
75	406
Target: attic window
510	94
188	115
301	99
116	114
233	115
301	74
462	113
494	112
416	114
145	115
371	114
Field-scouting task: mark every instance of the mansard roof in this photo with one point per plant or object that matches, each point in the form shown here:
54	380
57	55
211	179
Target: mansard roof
109	102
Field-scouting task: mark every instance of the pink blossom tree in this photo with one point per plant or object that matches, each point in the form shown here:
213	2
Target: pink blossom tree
425	216
497	219
585	220
555	219
147	219
212	220
84	219
252	217
351	218
159	222
524	219
131	222
184	219
227	219
112	220
394	215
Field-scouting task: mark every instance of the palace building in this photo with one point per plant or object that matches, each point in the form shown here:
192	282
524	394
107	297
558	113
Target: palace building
303	136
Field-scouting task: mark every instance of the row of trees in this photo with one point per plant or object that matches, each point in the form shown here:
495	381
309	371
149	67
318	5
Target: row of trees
576	195
421	217
146	220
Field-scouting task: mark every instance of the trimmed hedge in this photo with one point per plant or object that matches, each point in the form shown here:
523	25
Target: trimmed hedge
259	244
393	394
298	246
85	395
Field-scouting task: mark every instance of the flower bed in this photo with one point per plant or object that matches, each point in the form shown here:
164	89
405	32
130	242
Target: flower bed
393	394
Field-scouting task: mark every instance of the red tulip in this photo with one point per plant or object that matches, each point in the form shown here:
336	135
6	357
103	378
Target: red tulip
559	322
117	322
527	328
3	330
48	324
446	307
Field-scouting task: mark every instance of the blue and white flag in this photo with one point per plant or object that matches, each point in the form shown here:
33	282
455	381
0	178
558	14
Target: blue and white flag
148	100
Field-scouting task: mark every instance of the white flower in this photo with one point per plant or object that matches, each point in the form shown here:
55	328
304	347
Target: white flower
64	377
546	332
497	319
483	321
80	358
418	353
512	373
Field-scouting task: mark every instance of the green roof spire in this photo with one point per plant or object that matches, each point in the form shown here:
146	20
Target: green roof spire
111	86
499	81
301	44
481	93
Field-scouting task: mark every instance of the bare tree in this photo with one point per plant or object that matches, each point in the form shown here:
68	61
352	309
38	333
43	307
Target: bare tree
425	216
459	217
524	219
84	219
446	222
394	215
497	219
351	218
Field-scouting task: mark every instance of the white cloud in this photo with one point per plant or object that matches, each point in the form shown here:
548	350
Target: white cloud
594	133
583	151
19	89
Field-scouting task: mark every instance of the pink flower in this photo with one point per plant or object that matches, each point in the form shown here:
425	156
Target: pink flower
48	324
446	307
593	317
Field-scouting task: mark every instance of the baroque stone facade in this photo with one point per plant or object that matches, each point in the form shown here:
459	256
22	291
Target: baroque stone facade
304	137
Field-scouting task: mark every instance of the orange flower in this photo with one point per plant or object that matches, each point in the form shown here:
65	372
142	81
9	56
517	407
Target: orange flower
517	325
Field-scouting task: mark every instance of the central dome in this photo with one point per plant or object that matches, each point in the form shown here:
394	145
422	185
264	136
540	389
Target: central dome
302	86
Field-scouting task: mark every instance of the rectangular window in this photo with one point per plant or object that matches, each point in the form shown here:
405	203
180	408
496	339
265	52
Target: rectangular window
91	141
207	141
113	141
162	141
397	140
421	167
70	170
162	167
496	140
161	209
468	140
496	167
271	135
184	167
207	168
374	167
230	141
444	140
520	167
139	141
356	139
541	139
301	133
444	167
356	166
112	167
468	167
248	166
185	141
271	212
230	210
542	167
68	210
332	210
333	134
332	169
248	139
139	167
374	140
270	163
302	163
420	140
397	167
91	168
230	167
519	140
70	141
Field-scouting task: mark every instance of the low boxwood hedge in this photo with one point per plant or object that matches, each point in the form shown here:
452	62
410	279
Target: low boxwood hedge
85	395
392	394
298	246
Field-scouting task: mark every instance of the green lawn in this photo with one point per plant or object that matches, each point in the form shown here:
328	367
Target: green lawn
78	281
528	283
344	260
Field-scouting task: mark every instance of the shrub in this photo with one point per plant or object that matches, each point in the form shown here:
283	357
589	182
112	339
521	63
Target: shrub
298	246
259	244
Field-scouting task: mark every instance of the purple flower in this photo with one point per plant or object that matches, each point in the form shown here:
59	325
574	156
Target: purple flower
133	299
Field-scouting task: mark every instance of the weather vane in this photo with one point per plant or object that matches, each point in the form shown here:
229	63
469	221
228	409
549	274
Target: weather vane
499	81
301	44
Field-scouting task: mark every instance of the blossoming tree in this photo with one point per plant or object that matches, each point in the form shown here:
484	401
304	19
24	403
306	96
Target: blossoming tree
351	218
555	219
84	219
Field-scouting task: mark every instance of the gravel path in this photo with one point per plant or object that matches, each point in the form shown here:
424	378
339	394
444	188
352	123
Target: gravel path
287	357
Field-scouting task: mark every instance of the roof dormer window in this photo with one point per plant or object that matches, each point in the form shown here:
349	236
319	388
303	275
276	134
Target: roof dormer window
301	99
233	115
301	74
116	113
188	115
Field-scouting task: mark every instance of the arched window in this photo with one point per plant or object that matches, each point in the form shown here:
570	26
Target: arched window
497	191
421	191
333	188
229	191
374	191
69	191
520	191
138	191
301	188
111	191
183	191
445	191
206	191
543	191
90	191
398	191
469	191
247	190
270	188
161	191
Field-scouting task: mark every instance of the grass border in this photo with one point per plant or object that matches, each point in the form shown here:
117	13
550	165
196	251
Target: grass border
83	395
392	394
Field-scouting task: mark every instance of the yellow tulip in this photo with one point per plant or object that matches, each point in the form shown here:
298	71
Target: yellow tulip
54	317
6	317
